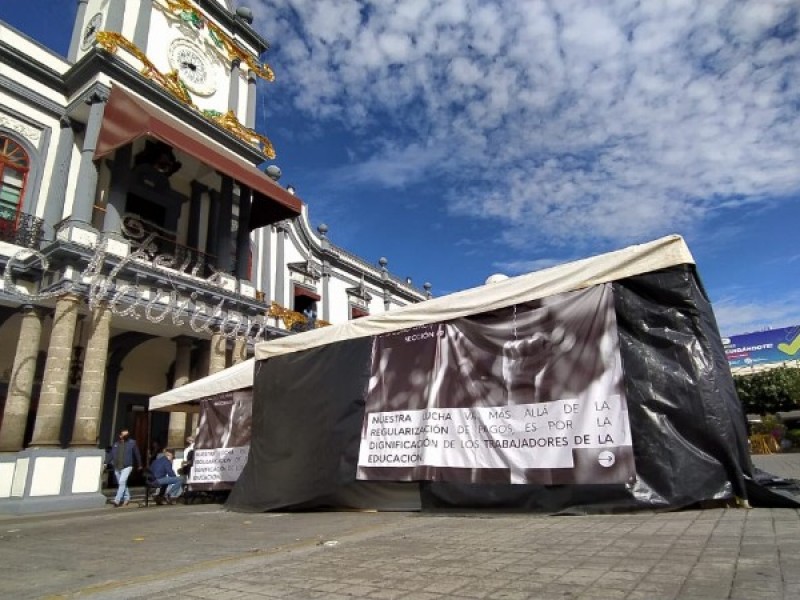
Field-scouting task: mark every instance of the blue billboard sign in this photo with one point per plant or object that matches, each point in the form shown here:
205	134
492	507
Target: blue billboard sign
763	347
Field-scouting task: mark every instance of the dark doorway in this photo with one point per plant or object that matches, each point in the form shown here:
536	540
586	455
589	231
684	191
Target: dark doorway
148	429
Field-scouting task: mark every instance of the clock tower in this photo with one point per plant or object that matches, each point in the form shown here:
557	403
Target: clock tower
169	91
208	50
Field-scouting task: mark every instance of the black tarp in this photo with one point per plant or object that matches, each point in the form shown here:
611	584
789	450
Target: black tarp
687	428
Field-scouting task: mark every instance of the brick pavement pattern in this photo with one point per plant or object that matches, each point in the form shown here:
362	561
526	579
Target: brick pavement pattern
204	552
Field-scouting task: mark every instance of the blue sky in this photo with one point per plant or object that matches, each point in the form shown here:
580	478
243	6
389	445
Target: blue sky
460	138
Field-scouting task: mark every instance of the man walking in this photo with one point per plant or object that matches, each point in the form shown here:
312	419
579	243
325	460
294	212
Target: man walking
123	457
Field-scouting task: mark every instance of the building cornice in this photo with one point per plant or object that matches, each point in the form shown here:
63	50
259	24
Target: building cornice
31	67
300	234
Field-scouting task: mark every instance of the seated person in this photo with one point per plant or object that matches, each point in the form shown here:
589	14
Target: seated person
165	476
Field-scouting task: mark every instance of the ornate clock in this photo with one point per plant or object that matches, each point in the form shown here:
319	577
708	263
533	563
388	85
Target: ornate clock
90	31
193	67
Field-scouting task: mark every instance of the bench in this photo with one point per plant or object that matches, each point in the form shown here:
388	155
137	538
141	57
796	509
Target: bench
151	487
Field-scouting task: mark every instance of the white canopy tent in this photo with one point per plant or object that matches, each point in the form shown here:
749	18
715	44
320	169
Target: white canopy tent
665	252
186	397
580	274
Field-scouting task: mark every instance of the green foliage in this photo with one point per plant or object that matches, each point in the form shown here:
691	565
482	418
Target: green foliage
769	392
771	425
794	436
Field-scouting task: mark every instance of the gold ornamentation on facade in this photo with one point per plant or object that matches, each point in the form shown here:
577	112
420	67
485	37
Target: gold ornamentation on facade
291	318
229	121
189	13
112	41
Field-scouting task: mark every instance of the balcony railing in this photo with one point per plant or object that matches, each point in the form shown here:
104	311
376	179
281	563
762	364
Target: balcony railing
22	229
166	250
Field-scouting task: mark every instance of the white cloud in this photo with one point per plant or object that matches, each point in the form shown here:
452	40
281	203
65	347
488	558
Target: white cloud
610	122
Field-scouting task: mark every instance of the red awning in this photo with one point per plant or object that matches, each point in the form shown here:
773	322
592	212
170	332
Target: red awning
357	313
307	292
127	118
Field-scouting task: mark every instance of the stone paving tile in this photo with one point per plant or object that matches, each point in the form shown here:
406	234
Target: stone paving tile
660	556
583	576
386	594
658	582
421	596
737	594
647	595
769	584
505	594
603	593
652	590
707	589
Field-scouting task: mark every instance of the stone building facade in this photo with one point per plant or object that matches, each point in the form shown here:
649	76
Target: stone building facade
140	245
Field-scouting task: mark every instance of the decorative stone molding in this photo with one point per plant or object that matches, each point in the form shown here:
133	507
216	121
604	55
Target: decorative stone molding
309	270
29	133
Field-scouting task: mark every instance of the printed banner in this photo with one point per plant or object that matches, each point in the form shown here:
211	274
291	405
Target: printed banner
223	440
763	347
528	394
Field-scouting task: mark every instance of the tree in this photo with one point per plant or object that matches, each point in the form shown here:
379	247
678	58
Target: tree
769	392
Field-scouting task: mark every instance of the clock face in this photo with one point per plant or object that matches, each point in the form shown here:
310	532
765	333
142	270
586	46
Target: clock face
90	32
193	67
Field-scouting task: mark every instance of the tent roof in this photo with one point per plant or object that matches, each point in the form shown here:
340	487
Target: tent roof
181	398
643	258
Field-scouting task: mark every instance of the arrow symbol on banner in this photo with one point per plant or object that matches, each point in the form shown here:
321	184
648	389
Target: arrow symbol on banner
606	458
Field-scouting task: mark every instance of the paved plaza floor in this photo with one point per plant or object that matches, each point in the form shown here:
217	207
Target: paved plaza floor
203	551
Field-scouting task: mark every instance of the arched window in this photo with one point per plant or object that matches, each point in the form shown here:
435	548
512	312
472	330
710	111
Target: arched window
14	165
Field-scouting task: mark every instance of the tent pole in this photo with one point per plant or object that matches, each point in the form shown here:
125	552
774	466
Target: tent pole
149	458
149	436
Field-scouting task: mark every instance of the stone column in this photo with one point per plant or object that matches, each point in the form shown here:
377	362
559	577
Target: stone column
83	201
216	358
252	92
177	420
195	205
280	264
387	295
322	229
115	17
142	31
265	264
54	207
240	350
212	231
223	226
18	400
326	295
243	236
176	437
93	378
233	90
77	31
113	370
47	428
118	191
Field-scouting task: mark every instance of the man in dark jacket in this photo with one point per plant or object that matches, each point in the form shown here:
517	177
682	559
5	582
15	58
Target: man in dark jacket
164	474
124	456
